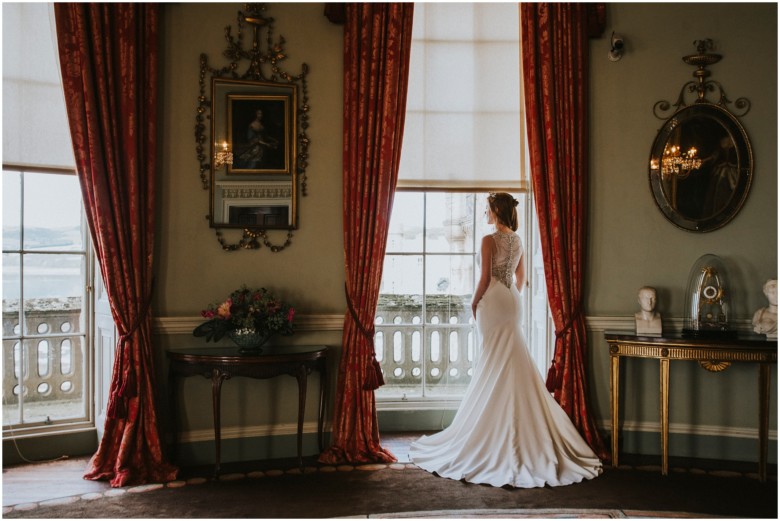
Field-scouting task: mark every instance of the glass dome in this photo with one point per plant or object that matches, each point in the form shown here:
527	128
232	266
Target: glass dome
707	304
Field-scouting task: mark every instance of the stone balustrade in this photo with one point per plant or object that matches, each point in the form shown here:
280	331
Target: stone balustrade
51	365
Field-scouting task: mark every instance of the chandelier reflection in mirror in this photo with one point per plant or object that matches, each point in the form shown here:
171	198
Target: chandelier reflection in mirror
675	162
701	161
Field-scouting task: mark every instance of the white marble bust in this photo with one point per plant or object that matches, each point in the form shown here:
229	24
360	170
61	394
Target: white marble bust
648	321
765	319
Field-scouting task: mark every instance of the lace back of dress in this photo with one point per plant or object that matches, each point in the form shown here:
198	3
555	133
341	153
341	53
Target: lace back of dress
507	256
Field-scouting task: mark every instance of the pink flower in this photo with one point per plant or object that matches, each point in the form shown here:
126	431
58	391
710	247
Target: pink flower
207	313
290	315
224	309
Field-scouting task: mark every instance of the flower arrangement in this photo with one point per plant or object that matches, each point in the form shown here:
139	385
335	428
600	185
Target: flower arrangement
245	311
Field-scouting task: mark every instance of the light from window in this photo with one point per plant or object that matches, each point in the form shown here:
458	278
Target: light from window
45	275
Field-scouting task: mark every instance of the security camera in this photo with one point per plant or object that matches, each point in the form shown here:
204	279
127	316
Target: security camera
617	45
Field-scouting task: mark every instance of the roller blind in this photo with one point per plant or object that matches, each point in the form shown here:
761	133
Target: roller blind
35	123
464	121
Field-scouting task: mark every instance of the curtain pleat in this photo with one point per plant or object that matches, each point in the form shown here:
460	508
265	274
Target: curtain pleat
109	62
555	73
377	42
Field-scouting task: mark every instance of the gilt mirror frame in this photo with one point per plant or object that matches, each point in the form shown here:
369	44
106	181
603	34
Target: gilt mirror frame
251	136
701	161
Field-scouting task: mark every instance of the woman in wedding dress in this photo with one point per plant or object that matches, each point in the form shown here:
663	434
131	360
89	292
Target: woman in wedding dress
508	430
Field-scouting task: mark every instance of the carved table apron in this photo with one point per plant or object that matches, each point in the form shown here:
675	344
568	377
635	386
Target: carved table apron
713	354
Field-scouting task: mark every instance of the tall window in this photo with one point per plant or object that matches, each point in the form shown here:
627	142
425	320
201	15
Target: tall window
46	255
464	137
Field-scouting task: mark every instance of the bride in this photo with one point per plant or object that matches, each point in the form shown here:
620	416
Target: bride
508	430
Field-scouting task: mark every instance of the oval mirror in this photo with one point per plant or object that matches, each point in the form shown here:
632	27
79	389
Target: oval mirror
701	167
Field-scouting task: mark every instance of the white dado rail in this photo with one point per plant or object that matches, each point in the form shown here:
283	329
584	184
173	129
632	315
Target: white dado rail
185	325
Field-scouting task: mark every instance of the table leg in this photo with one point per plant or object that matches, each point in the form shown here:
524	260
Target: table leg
763	418
301	375
614	393
664	385
174	416
321	412
217	377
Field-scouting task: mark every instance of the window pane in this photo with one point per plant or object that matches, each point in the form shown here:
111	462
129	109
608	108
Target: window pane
449	224
53	276
401	289
12	196
53	290
52	212
10	286
405	231
449	285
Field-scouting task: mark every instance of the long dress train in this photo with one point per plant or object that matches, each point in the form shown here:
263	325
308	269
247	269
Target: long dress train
508	430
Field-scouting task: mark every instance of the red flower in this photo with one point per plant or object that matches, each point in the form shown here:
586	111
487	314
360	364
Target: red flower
224	309
290	315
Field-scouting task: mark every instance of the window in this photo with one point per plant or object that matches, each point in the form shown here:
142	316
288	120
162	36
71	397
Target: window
47	263
45	305
462	139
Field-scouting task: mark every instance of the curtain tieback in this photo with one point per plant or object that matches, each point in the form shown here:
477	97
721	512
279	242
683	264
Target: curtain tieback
126	388
374	379
569	323
555	373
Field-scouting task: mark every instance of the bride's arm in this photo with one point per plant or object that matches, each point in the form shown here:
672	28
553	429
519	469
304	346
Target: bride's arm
520	274
485	274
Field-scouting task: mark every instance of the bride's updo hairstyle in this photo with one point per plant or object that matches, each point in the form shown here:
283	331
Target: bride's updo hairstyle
503	205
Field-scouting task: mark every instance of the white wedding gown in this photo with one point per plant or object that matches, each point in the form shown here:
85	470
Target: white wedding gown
509	430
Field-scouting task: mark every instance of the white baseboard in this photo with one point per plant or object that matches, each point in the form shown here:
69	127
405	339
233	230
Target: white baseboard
250	431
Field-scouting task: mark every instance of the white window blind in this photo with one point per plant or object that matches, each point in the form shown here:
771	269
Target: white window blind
464	120
35	123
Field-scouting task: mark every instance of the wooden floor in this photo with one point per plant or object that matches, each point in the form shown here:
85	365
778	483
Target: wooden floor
49	481
38	482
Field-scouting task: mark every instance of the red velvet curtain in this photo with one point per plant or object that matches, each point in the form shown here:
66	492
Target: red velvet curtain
109	60
377	42
555	71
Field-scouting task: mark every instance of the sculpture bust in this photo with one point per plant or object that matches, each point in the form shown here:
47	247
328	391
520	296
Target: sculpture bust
765	319
648	321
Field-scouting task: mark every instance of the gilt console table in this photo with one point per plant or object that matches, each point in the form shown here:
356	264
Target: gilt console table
713	354
222	363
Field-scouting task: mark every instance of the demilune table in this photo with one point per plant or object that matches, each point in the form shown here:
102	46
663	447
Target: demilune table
222	363
713	354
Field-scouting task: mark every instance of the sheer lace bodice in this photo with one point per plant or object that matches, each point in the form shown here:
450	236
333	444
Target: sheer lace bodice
506	257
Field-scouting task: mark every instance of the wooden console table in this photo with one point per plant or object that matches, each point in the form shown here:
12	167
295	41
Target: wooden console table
712	354
222	363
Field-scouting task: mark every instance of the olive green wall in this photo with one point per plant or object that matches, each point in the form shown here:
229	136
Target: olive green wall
631	243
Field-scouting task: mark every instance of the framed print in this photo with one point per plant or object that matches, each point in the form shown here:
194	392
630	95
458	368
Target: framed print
259	134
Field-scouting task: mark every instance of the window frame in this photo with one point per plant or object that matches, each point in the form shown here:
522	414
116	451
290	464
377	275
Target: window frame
529	236
87	421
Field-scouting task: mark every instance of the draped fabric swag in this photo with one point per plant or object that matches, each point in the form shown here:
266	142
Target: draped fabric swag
109	61
555	72
377	42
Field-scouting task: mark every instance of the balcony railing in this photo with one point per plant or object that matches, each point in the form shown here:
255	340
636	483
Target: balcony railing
46	365
420	357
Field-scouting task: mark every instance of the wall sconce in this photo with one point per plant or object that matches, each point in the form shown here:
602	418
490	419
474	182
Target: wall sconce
223	156
617	46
